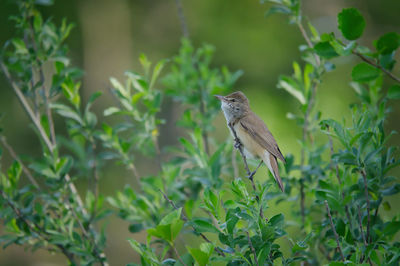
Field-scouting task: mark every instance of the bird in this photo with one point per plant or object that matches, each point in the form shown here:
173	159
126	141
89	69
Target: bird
252	133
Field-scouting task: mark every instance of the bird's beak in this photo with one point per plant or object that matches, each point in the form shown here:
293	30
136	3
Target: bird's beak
219	97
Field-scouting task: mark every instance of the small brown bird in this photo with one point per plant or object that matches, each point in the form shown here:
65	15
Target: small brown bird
251	131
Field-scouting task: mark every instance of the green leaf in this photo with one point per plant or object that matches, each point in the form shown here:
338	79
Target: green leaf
136	227
202	225
325	49
277	10
388	43
351	23
364	72
156	72
172	217
292	87
19	45
67	112
201	257
394	92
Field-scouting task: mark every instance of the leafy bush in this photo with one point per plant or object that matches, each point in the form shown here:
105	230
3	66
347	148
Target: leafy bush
341	179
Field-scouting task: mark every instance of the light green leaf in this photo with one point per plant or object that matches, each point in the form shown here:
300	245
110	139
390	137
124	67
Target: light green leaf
292	87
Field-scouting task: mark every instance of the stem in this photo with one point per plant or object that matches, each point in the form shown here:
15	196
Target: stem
182	18
203	112
364	175
334	230
16	158
372	63
252	248
185	219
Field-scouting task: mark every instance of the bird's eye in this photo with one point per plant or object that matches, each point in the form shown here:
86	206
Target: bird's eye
233	100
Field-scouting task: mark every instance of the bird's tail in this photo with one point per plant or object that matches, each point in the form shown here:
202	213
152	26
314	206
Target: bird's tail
271	161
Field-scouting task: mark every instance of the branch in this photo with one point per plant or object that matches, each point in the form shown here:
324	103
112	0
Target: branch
185	219
16	158
372	63
182	18
334	230
252	248
28	109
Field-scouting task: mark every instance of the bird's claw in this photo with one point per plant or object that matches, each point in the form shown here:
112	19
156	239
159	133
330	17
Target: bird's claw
237	144
251	175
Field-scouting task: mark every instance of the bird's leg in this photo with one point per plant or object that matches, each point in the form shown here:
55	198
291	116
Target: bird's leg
255	171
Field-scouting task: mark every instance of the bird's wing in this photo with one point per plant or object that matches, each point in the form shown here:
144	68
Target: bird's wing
262	135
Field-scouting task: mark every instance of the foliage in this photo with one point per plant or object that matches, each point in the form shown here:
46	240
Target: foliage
341	179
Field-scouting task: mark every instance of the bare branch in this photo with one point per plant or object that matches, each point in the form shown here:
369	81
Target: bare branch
374	64
182	18
334	230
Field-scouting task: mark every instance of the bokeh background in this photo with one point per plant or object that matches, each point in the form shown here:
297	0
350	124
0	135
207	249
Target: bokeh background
109	36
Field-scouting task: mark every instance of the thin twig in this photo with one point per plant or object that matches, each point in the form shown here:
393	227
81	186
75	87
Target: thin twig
364	175
308	41
135	172
185	219
177	255
372	63
234	164
252	248
360	226
302	202
182	18
334	230
238	145
16	158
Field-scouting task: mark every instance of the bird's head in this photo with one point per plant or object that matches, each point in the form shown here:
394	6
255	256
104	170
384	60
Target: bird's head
235	105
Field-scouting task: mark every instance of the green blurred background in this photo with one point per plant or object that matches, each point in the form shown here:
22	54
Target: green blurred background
109	36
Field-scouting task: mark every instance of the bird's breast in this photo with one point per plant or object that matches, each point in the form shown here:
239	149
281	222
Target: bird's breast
251	146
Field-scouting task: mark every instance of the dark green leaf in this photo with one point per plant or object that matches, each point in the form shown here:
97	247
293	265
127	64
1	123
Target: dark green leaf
364	72
325	49
394	92
351	23
388	43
